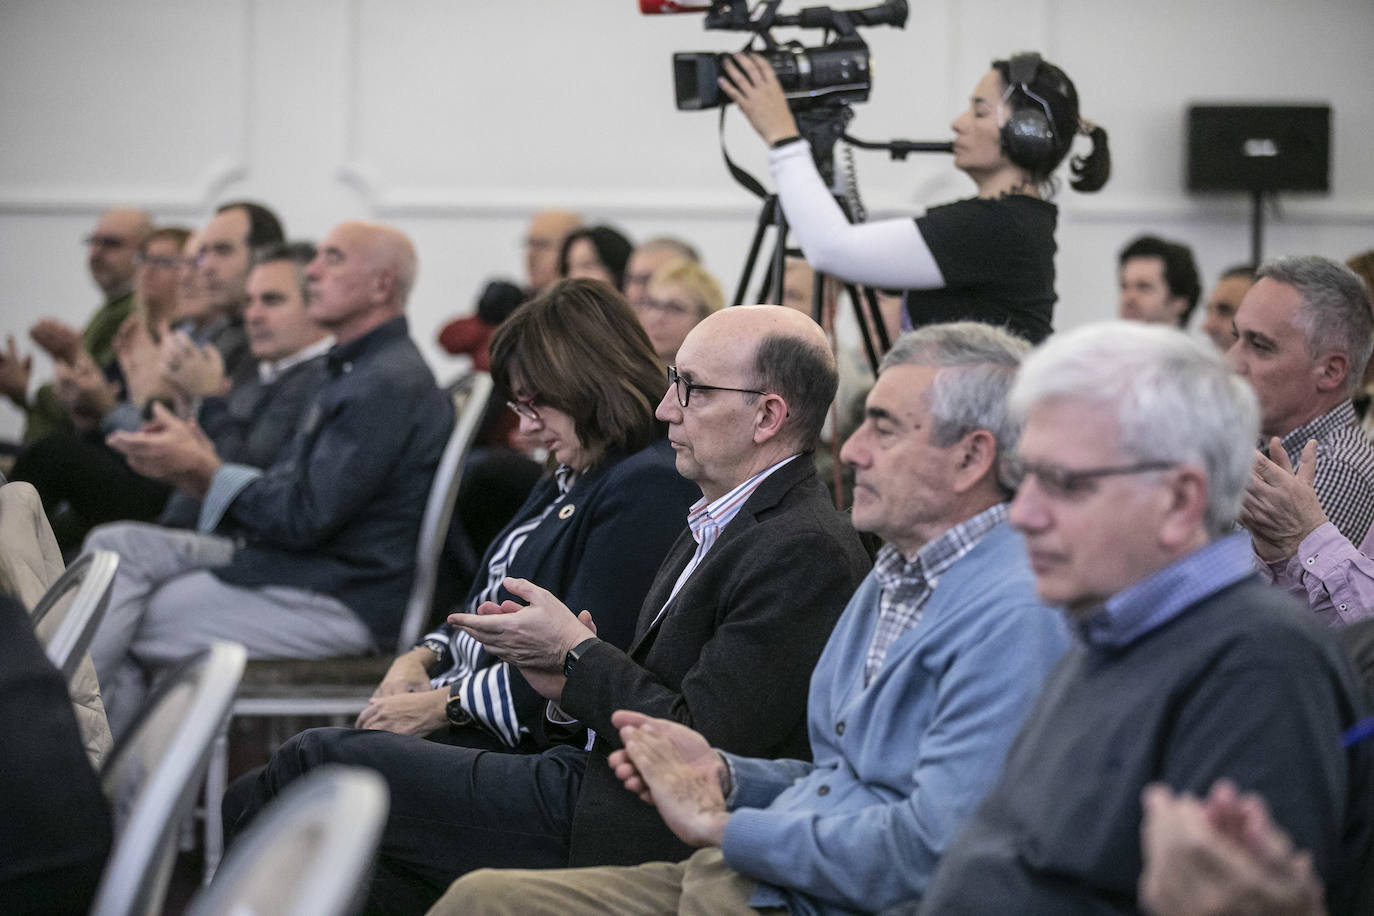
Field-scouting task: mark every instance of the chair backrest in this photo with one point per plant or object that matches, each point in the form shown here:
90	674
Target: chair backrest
151	777
470	397
66	627
308	853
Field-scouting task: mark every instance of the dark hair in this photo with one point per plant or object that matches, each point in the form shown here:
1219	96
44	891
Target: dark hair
1180	270
499	298
1240	270
804	374
175	234
299	254
578	348
1054	86
263	226
612	250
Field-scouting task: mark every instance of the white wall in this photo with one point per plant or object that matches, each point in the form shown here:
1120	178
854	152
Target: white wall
454	119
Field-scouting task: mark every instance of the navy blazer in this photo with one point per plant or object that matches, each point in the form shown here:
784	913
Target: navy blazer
600	550
731	656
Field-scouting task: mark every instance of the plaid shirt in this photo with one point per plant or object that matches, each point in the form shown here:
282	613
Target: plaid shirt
906	586
1345	468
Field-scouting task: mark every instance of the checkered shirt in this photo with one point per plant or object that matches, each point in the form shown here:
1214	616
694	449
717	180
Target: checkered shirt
906	586
1345	468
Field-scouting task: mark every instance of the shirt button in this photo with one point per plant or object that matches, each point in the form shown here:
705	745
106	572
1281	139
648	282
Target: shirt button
1342	607
839	728
823	790
1311	560
348	367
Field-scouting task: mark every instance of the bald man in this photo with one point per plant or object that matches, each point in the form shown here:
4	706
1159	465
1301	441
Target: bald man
110	256
314	556
726	638
543	241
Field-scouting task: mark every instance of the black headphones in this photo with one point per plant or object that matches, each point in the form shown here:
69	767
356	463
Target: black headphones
1028	137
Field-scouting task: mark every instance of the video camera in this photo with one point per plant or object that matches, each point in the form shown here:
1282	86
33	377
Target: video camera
833	73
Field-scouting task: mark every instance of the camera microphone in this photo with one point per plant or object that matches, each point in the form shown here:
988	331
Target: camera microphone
661	7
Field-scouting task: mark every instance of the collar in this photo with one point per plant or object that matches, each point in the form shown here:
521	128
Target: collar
564	476
1320	428
722	511
342	356
1163	595
893	570
269	372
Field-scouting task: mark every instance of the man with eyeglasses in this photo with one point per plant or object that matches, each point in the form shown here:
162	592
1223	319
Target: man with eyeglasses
919	692
726	639
1186	669
110	257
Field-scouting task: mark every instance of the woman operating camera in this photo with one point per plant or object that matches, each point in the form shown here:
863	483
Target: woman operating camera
988	258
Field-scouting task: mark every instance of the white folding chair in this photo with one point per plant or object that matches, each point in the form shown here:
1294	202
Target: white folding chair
151	777
66	628
276	688
308	854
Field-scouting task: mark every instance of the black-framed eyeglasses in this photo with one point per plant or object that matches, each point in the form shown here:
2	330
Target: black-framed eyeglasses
685	388
1073	483
525	409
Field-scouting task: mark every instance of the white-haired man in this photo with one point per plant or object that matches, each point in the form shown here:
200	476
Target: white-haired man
1187	670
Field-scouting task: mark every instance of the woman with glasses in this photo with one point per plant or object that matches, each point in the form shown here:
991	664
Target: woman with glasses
680	294
579	371
987	258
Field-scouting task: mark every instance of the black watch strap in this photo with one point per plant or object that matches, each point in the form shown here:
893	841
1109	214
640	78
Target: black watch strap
453	709
575	655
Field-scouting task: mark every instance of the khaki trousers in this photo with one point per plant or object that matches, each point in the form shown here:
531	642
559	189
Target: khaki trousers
701	886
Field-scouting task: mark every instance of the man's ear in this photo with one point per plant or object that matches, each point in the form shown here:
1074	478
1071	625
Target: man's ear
1186	511
976	457
769	417
1333	368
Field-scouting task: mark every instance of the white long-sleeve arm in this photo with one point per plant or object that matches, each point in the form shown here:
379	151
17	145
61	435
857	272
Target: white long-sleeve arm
888	253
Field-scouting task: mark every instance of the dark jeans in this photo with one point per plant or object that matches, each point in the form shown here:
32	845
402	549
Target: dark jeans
90	482
453	809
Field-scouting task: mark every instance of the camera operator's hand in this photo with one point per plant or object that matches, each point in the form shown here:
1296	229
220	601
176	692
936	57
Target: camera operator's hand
753	86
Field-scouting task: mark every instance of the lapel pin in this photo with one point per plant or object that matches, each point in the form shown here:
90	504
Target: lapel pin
566	512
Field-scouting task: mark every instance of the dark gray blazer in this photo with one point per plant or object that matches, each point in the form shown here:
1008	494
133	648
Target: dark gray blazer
731	656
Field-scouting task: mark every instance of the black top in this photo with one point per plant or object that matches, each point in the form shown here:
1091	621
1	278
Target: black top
55	833
997	258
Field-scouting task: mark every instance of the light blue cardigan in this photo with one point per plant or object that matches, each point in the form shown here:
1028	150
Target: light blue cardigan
901	764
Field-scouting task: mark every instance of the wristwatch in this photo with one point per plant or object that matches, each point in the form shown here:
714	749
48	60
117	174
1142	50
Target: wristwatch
575	655
454	711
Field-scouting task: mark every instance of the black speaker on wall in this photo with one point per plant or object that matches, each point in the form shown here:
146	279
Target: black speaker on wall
1259	148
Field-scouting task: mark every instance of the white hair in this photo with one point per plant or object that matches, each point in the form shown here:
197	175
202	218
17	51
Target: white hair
1173	399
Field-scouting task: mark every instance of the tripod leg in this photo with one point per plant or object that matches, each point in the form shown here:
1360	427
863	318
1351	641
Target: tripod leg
864	331
766	217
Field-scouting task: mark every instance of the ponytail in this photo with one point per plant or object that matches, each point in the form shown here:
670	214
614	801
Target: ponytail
1090	172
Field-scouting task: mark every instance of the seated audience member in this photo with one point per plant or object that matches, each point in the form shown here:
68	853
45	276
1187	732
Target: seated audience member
471	336
1363	265
680	294
157	280
110	259
316	553
1221	855
1304	339
647	258
254	421
725	640
1134	457
543	245
919	692
1219	317
1158	282
56	833
595	253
